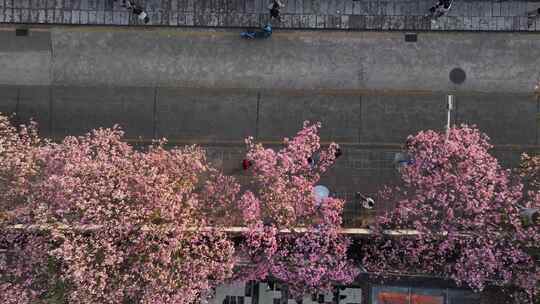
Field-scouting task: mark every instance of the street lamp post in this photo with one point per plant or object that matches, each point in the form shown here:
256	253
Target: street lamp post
537	99
450	107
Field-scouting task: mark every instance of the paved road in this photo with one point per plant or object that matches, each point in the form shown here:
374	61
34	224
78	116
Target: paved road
466	15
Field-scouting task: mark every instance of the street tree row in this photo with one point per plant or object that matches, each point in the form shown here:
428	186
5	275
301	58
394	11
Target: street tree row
108	223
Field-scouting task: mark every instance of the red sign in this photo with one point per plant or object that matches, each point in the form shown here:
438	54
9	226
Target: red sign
403	298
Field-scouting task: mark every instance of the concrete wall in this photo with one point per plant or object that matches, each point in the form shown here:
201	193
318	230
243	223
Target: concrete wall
496	62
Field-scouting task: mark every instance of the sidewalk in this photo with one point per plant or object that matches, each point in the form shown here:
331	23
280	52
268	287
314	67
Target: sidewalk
298	14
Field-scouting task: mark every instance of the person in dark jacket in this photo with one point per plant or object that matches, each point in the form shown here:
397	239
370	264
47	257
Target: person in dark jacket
338	152
532	16
440	8
141	14
275	8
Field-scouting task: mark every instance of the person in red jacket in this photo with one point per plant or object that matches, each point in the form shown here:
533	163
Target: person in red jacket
246	164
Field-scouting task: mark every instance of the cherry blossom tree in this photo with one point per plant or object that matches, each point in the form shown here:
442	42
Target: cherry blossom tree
24	263
530	173
150	243
465	208
121	225
291	237
19	165
145	226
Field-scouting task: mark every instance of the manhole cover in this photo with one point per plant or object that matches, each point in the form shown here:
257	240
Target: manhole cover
457	76
411	37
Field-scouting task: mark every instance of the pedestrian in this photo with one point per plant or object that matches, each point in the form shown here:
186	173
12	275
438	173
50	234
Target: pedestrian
434	8
275	8
267	30
440	8
445	7
141	14
366	202
532	16
246	164
338	152
125	3
313	160
136	10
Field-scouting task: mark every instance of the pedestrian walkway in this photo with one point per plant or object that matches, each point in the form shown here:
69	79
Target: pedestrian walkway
465	15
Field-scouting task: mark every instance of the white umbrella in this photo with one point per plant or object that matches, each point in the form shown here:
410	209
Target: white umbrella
320	192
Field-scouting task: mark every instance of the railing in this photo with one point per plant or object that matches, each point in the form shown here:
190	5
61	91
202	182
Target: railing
232	230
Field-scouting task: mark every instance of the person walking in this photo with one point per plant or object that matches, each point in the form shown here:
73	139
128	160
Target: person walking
338	152
365	201
141	14
136	10
126	3
532	16
246	164
445	7
441	8
123	2
275	8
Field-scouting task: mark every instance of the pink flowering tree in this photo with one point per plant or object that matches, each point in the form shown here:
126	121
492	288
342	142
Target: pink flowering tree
465	209
24	264
138	218
117	224
19	165
529	171
292	238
